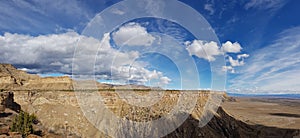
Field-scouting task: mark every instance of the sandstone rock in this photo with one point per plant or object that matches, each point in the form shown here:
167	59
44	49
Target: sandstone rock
2	108
40	101
14	134
14	79
4	129
7	101
11	78
33	136
4	136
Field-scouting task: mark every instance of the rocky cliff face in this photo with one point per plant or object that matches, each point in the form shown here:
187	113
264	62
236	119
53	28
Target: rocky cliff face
7	101
8	110
59	111
10	76
13	79
224	126
49	83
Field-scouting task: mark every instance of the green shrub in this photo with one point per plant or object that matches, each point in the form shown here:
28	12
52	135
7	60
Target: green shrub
23	123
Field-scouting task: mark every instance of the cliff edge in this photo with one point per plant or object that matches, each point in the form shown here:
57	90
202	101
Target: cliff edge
56	106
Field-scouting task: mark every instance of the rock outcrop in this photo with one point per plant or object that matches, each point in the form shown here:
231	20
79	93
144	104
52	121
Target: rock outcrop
14	79
10	77
9	109
7	101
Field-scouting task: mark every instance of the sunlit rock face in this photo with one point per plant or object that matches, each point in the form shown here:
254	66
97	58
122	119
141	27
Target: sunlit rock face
64	108
57	107
60	112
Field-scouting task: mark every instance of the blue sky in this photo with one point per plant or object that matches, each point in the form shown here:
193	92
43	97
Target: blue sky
264	59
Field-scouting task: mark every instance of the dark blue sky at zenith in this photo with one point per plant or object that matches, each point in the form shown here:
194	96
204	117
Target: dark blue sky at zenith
268	32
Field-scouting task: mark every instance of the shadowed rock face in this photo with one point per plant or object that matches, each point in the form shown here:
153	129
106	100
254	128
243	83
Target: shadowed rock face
7	101
9	109
223	125
286	115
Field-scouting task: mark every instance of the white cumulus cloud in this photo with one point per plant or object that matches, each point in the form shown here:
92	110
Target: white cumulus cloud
208	51
164	81
235	63
46	54
230	47
133	34
202	49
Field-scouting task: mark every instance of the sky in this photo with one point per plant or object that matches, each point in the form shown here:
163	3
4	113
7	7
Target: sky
241	46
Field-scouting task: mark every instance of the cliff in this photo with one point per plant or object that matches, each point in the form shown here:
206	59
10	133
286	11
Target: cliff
13	79
223	125
56	106
58	111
